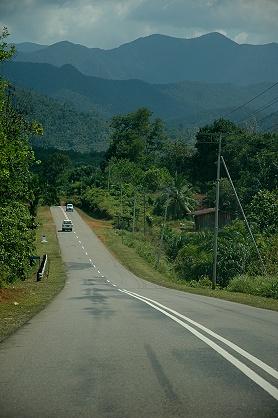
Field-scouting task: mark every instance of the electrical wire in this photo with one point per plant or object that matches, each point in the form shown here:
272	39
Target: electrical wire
267	105
251	100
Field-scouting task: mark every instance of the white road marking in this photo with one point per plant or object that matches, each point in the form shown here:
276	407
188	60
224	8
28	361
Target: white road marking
77	236
108	281
102	276
65	214
83	247
90	260
86	253
94	266
114	285
79	242
272	390
98	272
235	347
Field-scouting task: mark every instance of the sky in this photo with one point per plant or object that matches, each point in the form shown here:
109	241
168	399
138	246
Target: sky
110	23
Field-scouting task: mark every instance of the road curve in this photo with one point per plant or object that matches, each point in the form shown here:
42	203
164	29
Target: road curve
112	345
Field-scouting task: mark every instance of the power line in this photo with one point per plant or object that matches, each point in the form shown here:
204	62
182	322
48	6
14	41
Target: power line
244	104
267	105
251	100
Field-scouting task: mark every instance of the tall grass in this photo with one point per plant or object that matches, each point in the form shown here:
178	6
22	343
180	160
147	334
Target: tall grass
259	285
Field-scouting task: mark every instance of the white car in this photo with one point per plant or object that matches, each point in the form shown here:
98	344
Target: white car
67	225
69	207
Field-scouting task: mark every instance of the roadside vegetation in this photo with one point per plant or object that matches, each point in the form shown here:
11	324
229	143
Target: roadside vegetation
150	188
22	299
22	222
129	257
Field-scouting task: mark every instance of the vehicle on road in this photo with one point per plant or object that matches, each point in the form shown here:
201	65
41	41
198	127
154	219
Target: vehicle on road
69	207
67	225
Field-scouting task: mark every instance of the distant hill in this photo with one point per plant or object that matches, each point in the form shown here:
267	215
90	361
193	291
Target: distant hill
29	47
210	58
64	127
187	103
269	123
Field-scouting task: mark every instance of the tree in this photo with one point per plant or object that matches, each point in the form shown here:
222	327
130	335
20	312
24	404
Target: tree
177	157
16	193
135	137
263	211
179	198
204	168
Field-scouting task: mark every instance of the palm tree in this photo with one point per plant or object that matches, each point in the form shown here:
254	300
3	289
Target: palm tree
179	198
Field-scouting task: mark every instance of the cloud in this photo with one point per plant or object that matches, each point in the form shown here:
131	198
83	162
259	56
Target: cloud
108	23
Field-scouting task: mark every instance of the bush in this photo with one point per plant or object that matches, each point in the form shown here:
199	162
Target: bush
193	262
259	285
16	242
235	252
263	211
100	203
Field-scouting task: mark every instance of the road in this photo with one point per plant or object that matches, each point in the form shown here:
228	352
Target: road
113	345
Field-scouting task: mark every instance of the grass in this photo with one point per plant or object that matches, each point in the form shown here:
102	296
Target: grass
23	299
139	266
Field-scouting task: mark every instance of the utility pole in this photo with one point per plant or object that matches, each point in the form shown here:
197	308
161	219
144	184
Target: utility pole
216	224
144	203
134	213
162	231
109	173
121	221
244	216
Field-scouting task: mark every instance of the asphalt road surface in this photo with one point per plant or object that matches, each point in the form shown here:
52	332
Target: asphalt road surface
113	345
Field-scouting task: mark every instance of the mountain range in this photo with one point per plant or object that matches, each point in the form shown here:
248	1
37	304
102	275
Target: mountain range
73	90
189	103
211	58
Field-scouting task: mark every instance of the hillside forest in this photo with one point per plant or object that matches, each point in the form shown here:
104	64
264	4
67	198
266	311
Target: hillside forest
158	193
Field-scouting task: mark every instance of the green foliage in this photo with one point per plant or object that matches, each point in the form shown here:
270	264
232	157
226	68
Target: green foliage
178	198
100	203
124	171
263	211
146	250
235	252
16	240
65	128
135	137
193	262
17	200
204	168
177	158
227	199
156	178
257	285
51	172
6	51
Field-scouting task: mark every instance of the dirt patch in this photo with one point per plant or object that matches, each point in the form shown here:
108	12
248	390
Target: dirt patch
10	295
99	224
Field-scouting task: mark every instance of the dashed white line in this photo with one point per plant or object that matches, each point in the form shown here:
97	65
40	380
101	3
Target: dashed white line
98	271
83	247
86	253
90	260
108	281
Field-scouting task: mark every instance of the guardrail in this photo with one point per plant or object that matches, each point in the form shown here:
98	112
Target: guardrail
43	269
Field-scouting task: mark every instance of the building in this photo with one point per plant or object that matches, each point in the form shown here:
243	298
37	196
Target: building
205	218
